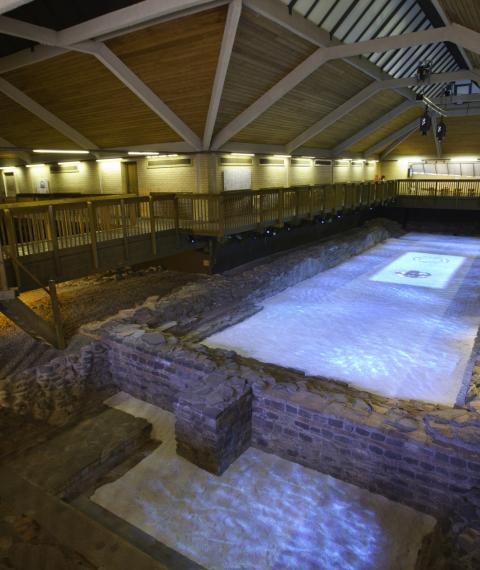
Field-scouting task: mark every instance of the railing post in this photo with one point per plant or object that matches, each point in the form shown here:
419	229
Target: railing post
54	237
3	273
12	241
124	228
176	217
221	215
297	203
153	232
93	233
57	317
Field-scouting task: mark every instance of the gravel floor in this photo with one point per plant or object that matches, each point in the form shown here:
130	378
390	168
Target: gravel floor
82	301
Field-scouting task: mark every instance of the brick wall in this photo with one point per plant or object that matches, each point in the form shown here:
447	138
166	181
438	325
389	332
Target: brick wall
408	455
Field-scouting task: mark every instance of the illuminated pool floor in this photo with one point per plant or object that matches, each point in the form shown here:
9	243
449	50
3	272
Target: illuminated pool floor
399	320
263	513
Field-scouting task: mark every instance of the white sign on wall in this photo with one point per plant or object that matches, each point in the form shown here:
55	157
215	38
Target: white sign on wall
237	178
42	186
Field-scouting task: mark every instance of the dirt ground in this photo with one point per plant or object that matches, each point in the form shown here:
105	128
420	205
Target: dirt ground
82	301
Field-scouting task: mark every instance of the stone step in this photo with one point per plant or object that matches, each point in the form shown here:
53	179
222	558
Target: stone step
77	456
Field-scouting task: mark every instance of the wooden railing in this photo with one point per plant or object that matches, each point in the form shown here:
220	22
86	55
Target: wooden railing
40	228
439	188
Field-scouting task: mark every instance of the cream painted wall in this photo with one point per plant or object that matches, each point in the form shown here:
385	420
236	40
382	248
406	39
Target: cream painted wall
288	175
192	178
204	175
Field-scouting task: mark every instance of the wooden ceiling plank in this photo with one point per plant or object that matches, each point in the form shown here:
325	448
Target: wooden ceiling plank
28	103
230	32
143	92
125	18
359	98
313	62
372	127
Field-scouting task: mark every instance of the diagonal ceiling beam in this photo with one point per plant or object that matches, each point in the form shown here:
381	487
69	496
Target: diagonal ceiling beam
334	116
372	127
304	28
28	103
313	62
115	65
142	91
364	95
446	21
230	31
405	131
399	136
124	18
26	57
20	153
396	143
7	5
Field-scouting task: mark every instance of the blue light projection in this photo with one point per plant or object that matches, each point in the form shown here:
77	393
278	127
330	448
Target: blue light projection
420	269
263	513
377	321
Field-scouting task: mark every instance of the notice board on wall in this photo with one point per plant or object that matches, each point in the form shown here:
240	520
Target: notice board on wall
237	178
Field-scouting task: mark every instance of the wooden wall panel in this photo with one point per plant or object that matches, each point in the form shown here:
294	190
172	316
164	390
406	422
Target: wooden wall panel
82	92
23	129
464	12
387	129
177	60
322	92
358	119
263	53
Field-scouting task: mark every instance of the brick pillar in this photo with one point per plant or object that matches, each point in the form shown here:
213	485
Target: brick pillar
213	423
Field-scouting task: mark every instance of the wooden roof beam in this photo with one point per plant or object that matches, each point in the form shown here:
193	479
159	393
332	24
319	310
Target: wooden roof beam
361	97
230	31
7	5
404	132
142	91
28	103
314	61
399	136
125	18
304	28
372	127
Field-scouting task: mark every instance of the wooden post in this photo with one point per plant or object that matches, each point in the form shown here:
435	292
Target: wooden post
124	228
3	273
221	215
93	233
57	316
176	218
54	238
153	232
12	241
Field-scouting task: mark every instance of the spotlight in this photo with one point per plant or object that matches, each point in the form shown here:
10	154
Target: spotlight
425	122
441	130
288	227
192	239
270	232
424	71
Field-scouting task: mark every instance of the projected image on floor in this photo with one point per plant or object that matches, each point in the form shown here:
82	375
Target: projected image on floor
420	269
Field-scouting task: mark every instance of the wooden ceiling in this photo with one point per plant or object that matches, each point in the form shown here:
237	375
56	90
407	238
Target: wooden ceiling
177	60
386	130
82	92
23	129
462	133
263	54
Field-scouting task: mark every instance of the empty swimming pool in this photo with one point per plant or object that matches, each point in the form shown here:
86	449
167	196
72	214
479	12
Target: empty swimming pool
399	320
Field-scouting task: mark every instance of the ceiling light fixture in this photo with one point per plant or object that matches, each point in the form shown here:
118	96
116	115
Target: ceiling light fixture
57	151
